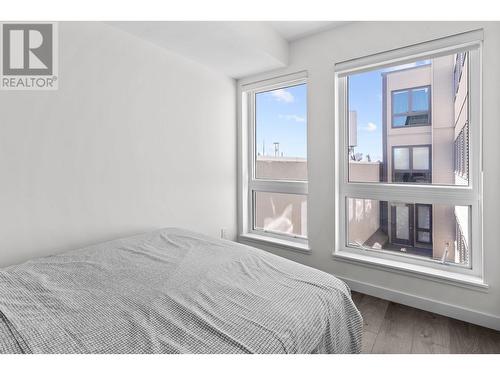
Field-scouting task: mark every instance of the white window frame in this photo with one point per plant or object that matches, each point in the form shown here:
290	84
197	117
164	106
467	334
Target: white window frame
425	194
249	183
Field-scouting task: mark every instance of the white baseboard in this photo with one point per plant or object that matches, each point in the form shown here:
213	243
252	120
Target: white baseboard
452	311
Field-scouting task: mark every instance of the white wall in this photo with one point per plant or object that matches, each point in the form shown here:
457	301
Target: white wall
318	54
136	138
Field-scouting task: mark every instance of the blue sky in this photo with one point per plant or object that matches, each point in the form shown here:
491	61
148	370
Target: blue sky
365	97
281	116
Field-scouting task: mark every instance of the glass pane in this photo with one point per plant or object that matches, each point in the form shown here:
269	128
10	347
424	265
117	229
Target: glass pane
400	121
400	102
423	237
281	213
420	99
424	217
421	158
402	222
402	158
281	133
379	98
389	226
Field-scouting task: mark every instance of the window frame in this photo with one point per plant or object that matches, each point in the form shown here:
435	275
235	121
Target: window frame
455	195
250	183
410	111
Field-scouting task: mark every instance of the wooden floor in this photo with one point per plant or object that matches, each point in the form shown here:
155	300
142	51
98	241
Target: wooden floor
393	328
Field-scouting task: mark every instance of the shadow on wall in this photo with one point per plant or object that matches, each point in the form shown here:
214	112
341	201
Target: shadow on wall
283	213
279	222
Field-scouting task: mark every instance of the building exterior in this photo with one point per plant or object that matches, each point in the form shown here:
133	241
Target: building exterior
424	141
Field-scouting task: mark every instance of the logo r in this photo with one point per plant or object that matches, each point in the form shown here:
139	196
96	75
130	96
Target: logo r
27	49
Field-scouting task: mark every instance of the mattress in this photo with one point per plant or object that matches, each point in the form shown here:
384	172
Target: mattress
174	291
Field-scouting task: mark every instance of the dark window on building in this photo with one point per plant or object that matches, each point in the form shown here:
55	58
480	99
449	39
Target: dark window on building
423	219
411	107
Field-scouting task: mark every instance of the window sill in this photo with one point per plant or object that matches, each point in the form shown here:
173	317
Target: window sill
271	241
441	276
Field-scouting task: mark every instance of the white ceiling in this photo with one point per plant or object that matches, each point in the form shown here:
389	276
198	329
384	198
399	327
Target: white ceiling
293	30
236	49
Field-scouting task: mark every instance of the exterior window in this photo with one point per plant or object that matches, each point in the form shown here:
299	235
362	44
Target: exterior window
410	195
411	164
277	178
423	214
411	107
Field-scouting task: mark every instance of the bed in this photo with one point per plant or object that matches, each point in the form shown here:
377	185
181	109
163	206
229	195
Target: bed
174	291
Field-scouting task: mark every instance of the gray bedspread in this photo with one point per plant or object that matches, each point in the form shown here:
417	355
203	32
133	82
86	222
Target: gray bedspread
174	291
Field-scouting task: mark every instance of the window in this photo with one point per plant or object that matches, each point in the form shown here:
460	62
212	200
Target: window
276	183
411	107
411	164
423	223
408	196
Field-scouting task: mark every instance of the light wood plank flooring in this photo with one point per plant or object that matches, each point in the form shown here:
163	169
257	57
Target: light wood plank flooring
393	328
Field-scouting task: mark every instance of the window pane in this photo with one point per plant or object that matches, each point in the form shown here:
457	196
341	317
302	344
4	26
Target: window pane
281	133
390	226
281	213
400	121
421	158
402	158
424	217
379	98
400	102
420	99
402	222
424	236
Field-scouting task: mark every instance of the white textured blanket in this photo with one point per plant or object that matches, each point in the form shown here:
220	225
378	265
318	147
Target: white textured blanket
174	291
